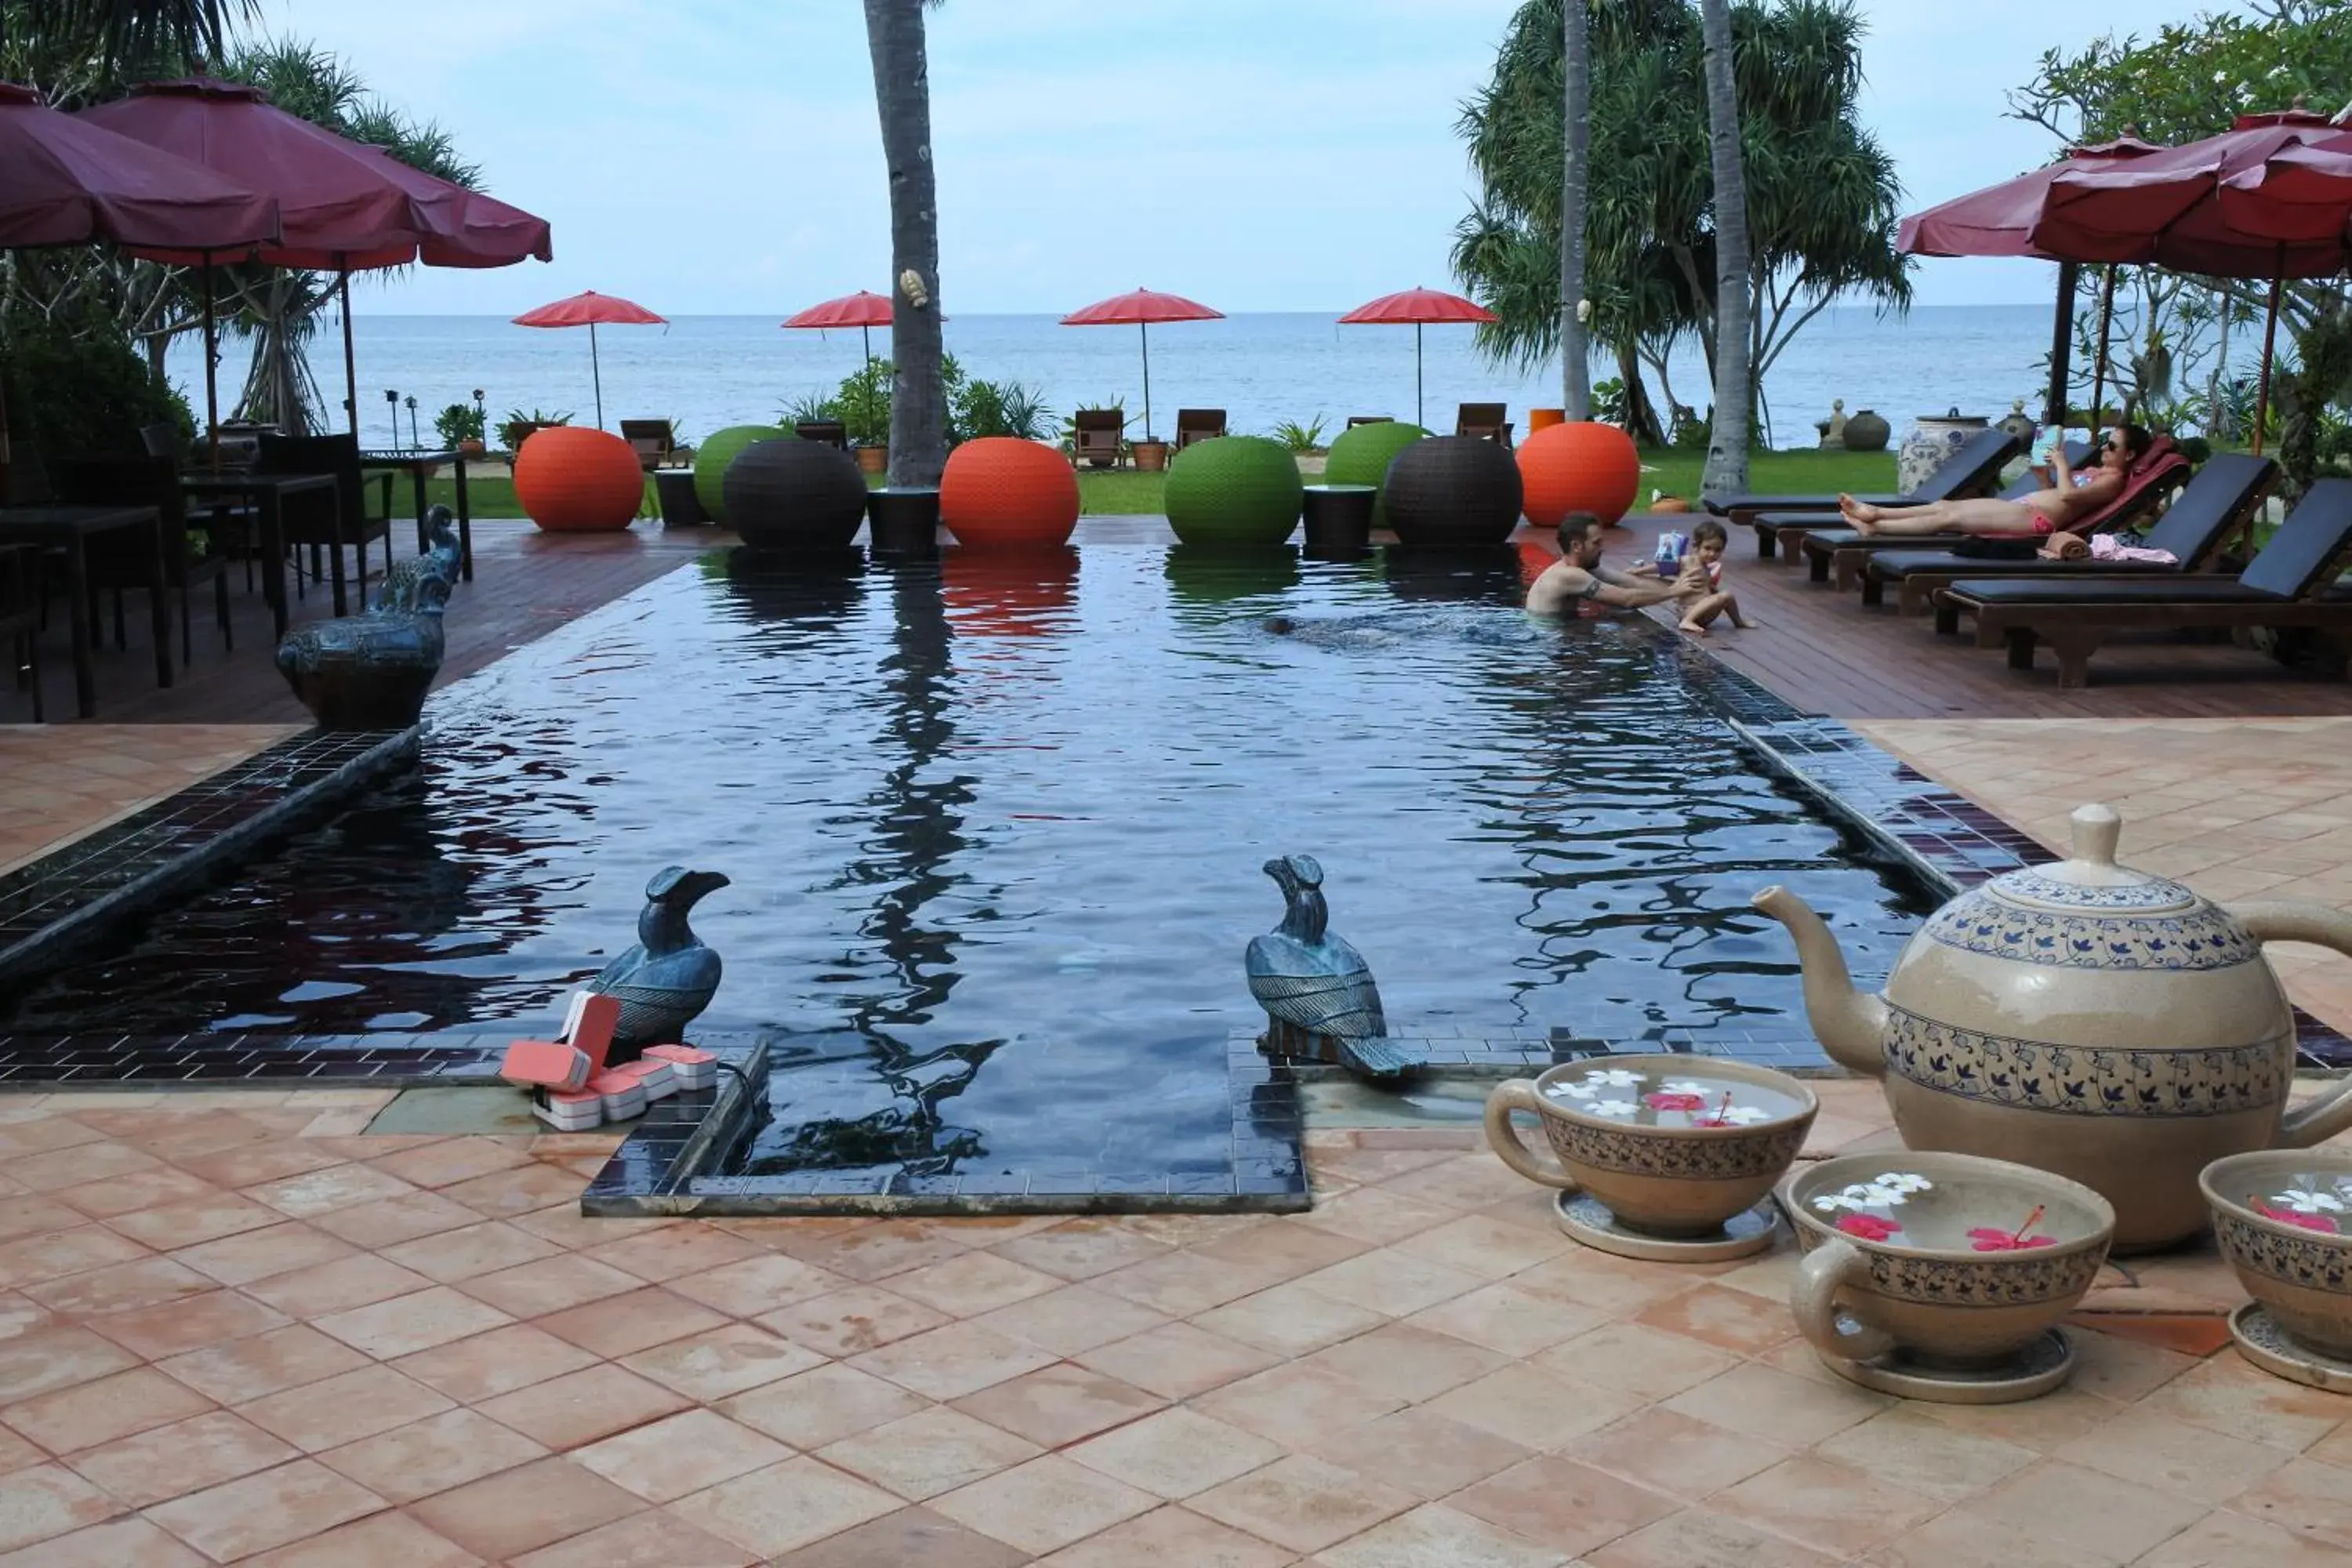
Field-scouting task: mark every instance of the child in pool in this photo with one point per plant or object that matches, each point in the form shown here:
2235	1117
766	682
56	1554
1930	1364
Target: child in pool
1699	583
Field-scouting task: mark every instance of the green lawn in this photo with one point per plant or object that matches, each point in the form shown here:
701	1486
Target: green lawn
1132	494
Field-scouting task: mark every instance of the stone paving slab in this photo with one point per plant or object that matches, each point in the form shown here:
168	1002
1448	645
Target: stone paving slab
235	1328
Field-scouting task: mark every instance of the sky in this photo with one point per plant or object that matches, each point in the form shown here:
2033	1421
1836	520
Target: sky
723	157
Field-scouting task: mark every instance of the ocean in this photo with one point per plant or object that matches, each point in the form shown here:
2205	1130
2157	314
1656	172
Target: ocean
706	372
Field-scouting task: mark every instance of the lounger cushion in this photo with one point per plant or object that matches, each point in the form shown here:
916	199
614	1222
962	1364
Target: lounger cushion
2183	588
1892	565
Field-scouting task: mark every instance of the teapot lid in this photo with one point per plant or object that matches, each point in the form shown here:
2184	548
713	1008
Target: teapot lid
2089	878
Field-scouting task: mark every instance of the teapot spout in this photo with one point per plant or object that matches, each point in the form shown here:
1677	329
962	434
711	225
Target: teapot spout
1850	1024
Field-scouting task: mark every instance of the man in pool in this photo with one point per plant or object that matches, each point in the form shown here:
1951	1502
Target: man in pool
2057	510
1578	584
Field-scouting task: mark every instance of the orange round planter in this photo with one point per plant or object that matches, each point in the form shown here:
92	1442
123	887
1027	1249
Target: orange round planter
572	479
1578	467
1000	492
1545	418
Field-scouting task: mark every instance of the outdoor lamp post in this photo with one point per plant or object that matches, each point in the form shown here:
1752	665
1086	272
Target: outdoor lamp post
413	440
391	396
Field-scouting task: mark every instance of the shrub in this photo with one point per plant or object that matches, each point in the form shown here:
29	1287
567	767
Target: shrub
1307	438
77	386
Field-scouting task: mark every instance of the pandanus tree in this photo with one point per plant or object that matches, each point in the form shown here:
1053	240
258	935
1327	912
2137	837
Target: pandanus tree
1821	192
902	97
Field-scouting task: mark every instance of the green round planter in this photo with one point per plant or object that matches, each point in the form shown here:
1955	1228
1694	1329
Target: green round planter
717	455
1362	456
1233	492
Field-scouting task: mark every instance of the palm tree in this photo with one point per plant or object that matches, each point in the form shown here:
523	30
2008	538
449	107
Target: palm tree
1726	441
118	32
1576	132
902	95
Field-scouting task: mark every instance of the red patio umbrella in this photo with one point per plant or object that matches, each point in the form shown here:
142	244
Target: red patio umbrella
2167	209
863	310
1417	306
2297	193
1998	221
1142	307
64	181
588	309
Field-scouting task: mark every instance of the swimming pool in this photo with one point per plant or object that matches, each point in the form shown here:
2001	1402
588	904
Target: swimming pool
995	829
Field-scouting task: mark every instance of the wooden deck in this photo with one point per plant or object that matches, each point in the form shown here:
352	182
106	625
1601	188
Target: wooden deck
1820	649
1826	653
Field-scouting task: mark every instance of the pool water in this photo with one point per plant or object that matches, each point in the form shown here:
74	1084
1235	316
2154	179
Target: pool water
995	831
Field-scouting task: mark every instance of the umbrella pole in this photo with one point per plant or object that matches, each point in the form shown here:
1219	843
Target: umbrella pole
2099	368
1417	416
867	333
1145	327
351	362
2262	391
2061	345
212	389
597	371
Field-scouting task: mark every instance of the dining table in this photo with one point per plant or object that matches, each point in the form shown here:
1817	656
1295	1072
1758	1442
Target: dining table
268	493
70	529
418	464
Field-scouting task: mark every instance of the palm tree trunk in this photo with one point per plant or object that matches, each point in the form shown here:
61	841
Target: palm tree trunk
1576	135
1728	438
902	95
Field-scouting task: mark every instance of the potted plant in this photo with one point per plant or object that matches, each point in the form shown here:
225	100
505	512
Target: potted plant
1151	456
862	406
460	426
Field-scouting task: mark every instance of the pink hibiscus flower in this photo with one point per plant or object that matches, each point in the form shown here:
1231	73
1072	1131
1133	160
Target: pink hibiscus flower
1986	1239
1662	1100
1868	1226
2318	1222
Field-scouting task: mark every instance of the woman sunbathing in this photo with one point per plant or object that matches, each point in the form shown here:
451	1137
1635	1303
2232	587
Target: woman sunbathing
2057	510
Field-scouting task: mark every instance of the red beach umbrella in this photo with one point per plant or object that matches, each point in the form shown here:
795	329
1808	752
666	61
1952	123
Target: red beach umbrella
1142	307
1417	306
590	309
863	310
64	181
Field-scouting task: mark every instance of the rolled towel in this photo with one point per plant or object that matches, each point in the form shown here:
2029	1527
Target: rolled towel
2066	547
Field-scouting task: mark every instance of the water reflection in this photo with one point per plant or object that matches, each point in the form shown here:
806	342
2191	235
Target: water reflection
1010	592
1204	577
816	589
1484	575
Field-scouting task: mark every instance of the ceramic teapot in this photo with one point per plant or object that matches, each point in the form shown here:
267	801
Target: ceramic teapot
2086	1019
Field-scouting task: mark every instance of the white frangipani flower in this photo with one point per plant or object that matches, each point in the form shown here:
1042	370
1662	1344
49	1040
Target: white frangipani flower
2302	1201
1614	1077
1685	1086
1614	1108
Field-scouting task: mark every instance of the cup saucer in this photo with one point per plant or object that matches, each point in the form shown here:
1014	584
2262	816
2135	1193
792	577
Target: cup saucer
2032	1372
2262	1341
1588	1220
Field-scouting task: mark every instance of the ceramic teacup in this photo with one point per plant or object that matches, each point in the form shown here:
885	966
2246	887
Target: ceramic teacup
1673	1144
2284	1218
1952	1259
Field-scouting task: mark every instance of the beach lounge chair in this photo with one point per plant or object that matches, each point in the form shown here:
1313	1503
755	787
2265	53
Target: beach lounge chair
2217	504
655	444
832	432
1484	421
1356	419
2290	583
1839	554
1097	435
1973	470
1197	425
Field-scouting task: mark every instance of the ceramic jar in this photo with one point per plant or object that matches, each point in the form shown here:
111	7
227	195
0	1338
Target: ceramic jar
2022	427
2285	1222
1947	1260
2086	1019
1674	1145
1866	431
1931	442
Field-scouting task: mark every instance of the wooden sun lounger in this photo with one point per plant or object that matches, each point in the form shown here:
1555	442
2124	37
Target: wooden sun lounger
1973	470
2215	507
2290	583
1840	555
1197	425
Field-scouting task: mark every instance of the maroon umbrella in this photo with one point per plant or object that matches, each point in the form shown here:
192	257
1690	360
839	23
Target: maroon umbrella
1417	306
588	311
64	181
2302	192
1142	307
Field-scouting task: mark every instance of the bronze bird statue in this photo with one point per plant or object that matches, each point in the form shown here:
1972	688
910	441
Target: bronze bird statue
1317	990
665	981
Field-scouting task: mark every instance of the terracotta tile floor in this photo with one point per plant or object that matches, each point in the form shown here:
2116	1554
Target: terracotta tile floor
234	1329
2237	809
66	780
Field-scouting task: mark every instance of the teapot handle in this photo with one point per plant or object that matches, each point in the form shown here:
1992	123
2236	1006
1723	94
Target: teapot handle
2331	1113
1519	1094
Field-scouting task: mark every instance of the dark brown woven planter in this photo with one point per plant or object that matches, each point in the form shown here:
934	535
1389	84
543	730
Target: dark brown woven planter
1338	518
794	495
1453	490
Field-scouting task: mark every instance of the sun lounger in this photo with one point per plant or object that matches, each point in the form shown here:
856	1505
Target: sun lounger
1972	470
2292	582
1838	556
1197	425
1096	436
654	443
1356	419
2217	503
1484	421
